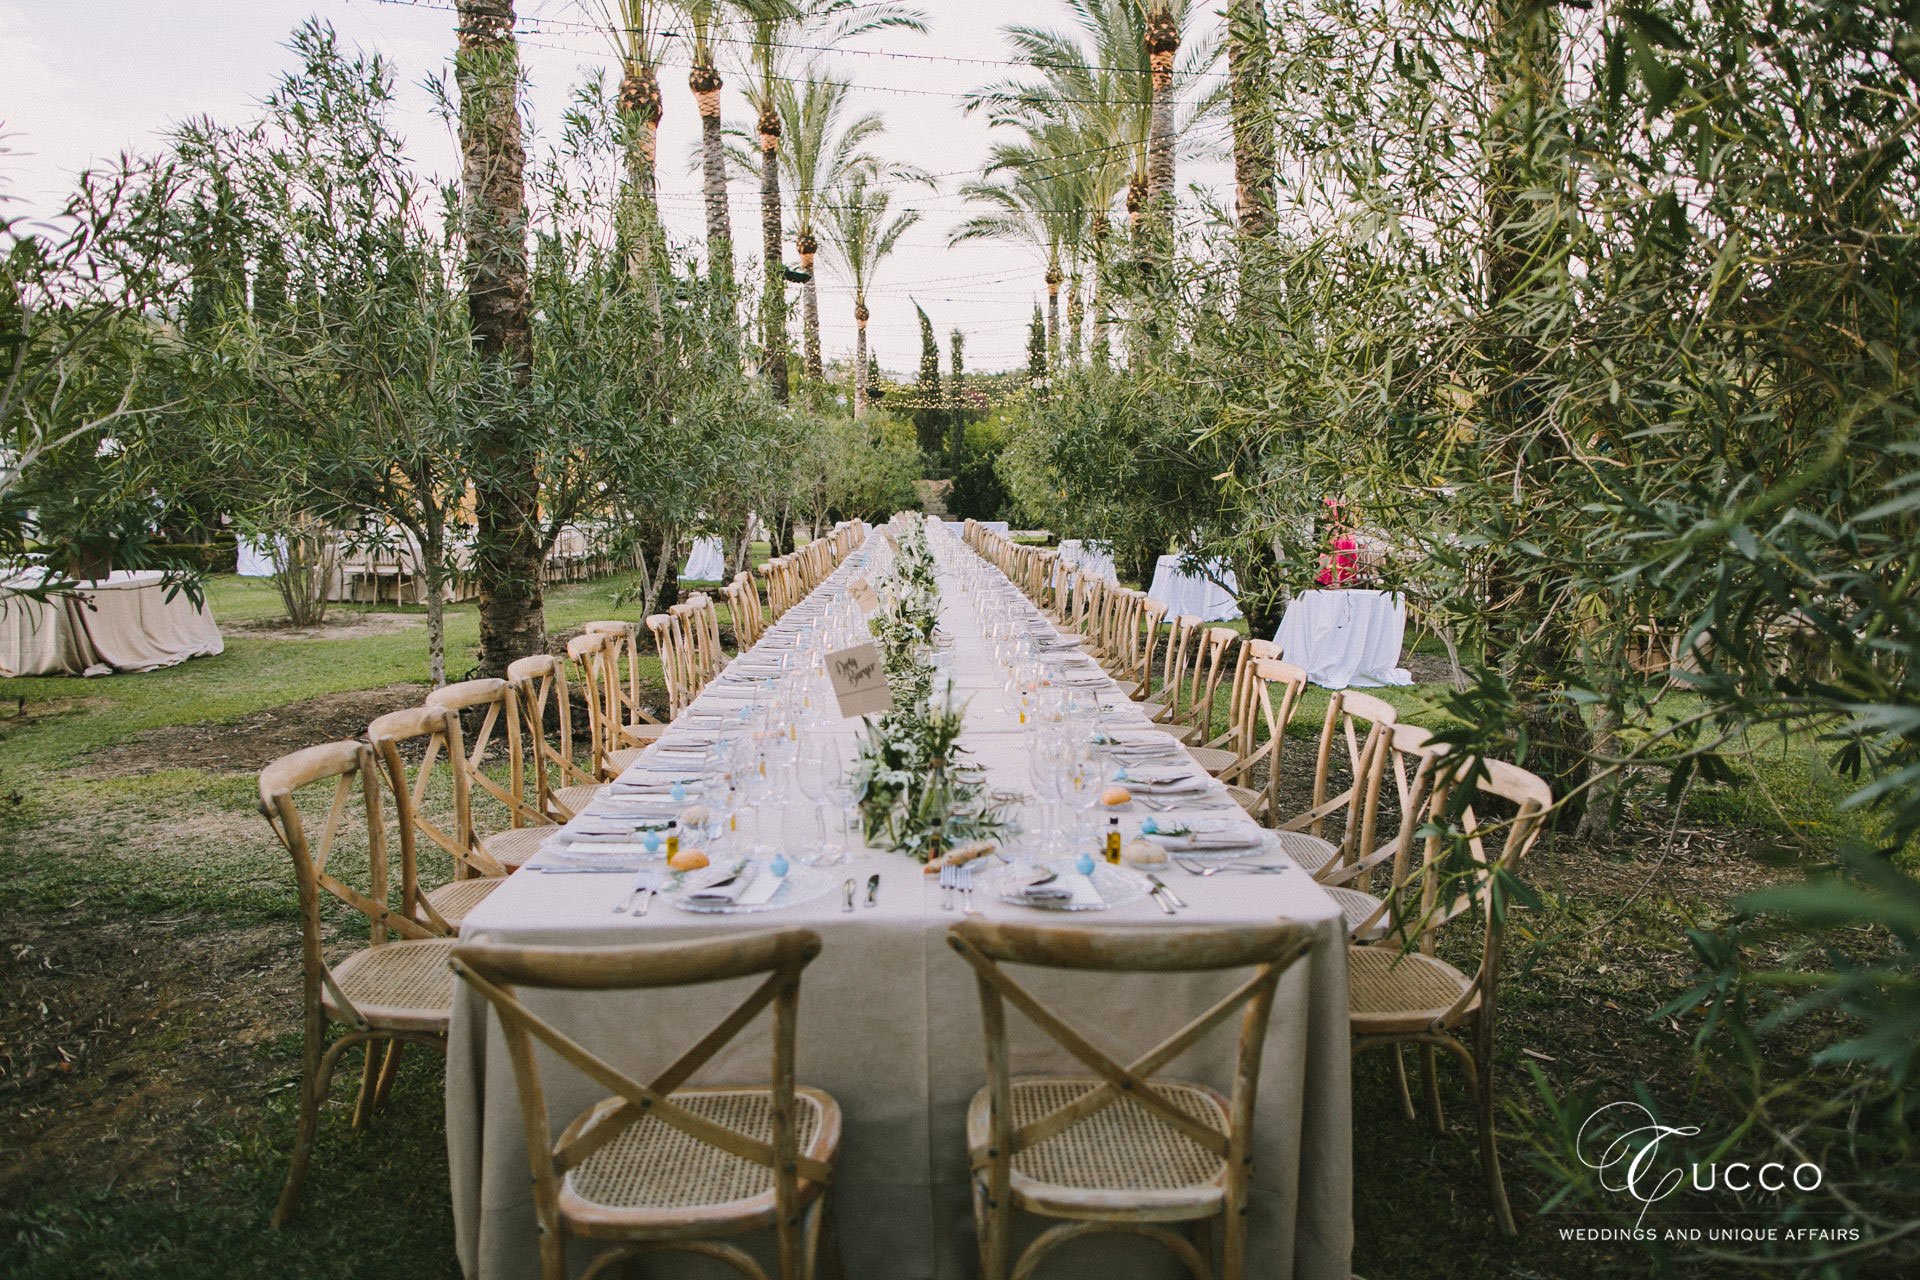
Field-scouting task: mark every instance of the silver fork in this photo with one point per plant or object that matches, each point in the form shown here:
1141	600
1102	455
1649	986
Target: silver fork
966	888
1215	868
946	888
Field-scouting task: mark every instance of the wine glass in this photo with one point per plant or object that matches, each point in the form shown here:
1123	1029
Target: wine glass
1044	773
817	774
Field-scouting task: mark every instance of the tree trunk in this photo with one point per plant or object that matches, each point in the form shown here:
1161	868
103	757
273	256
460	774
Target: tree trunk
433	566
705	83
860	356
808	248
641	104
1249	63
1053	317
506	486
774	305
1073	319
1162	41
1102	349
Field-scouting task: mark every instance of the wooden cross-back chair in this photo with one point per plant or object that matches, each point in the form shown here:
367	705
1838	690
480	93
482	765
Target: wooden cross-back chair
633	722
1168	708
435	731
591	652
1146	1153
743	602
673	662
1152	617
495	705
1353	731
1406	757
562	784
1066	585
1274	689
393	991
660	1165
1405	994
1224	755
1207	668
1123	639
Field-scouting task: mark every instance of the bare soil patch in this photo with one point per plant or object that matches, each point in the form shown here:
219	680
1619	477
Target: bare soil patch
340	626
115	1035
245	746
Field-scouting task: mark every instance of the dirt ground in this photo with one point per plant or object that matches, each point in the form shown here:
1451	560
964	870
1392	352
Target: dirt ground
250	744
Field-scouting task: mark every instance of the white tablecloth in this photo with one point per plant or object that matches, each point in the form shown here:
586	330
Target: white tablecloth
123	622
1345	638
1197	597
254	558
890	1026
1088	557
706	563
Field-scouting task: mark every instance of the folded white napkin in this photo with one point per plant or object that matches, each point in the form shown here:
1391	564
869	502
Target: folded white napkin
1246	838
604	845
1070	888
753	886
1158	777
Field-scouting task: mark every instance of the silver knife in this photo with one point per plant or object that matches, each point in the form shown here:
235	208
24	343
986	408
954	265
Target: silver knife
1161	886
846	903
873	888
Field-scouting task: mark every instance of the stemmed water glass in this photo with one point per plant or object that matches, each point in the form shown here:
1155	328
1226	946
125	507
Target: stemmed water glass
819	777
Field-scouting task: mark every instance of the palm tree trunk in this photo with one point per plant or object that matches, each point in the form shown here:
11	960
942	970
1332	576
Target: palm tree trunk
1163	41
1249	63
808	248
641	104
1053	315
773	307
1102	350
1074	302
704	80
506	486
860	355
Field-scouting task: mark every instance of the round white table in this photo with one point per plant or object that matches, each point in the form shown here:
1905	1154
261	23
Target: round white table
1347	637
706	563
1088	557
123	622
1198	597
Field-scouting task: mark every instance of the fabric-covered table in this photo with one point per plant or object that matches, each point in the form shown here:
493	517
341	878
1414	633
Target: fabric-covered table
706	563
1198	597
123	622
890	1026
1088	557
1345	638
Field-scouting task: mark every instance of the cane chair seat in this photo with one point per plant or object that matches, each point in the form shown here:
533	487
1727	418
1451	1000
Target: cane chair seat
405	986
655	1176
1215	760
1128	687
618	762
516	846
1391	991
456	898
574	800
641	731
1121	1148
1310	853
1365	921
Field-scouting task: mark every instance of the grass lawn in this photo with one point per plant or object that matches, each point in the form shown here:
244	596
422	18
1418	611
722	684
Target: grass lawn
149	1006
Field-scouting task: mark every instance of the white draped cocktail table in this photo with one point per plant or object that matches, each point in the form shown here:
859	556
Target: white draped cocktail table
890	1026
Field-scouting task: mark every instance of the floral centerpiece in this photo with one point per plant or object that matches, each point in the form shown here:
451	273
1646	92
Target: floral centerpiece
914	794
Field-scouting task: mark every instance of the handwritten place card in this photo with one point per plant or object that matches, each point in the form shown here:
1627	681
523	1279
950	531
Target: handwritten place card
859	681
892	540
864	595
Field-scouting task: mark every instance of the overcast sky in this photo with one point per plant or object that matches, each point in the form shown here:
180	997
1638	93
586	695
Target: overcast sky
81	80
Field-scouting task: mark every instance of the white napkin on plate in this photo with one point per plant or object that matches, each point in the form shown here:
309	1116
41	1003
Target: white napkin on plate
753	886
1069	888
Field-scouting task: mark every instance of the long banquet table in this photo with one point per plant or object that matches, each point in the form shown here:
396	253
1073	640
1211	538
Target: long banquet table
890	1026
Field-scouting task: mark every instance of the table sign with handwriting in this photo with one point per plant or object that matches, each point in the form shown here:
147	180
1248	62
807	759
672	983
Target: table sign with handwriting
859	681
864	595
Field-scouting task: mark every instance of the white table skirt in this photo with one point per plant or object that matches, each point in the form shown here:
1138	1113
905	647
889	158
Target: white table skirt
123	622
254	558
890	1026
1197	597
1088	557
707	562
1348	637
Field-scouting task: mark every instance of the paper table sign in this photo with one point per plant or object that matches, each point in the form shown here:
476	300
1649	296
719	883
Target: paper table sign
892	541
864	595
859	681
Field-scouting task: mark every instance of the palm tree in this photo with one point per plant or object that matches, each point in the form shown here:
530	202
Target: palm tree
822	23
1036	203
1097	77
863	230
823	151
493	198
1250	63
702	19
